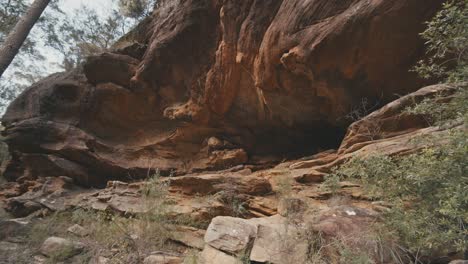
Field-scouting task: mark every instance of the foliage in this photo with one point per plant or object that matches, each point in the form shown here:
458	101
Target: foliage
191	257
86	33
156	222
7	94
23	69
136	8
284	186
234	201
362	109
427	191
439	112
350	255
10	13
362	248
446	39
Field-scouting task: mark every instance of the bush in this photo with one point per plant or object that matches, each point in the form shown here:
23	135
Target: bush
427	192
446	39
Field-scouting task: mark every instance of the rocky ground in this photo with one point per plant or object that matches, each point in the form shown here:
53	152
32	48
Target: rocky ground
244	214
207	135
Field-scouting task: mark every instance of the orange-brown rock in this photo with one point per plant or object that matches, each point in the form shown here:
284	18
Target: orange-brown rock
245	190
270	77
390	130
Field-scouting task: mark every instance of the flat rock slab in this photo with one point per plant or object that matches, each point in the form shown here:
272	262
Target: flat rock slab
13	227
230	234
210	255
163	259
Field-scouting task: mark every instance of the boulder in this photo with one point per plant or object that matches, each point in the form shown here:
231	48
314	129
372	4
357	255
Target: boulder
266	240
13	227
60	248
278	241
229	234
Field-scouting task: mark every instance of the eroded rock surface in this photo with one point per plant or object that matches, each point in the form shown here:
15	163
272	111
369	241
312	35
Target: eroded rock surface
274	215
263	77
216	94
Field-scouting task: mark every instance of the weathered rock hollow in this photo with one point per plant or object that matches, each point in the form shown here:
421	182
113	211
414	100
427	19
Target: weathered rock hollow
210	84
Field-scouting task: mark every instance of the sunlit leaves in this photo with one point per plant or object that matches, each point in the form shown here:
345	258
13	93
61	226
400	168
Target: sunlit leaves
446	39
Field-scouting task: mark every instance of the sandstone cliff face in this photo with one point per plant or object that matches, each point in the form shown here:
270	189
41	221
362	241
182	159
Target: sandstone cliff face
206	84
272	215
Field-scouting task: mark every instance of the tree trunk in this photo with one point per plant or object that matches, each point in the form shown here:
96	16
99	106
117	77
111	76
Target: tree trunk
20	32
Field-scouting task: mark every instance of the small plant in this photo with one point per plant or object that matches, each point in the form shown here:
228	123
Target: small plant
191	257
284	186
154	226
351	256
59	256
437	111
235	202
356	249
244	257
369	127
332	183
361	110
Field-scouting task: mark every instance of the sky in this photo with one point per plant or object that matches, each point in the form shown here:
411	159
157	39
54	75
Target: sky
99	5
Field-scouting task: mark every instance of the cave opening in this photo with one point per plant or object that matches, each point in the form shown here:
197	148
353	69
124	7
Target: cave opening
297	141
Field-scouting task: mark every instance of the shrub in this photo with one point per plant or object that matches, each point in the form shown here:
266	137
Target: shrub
427	191
438	111
446	38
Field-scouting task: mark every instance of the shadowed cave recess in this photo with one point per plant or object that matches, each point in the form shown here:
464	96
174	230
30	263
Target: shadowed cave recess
206	85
